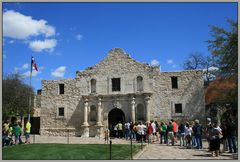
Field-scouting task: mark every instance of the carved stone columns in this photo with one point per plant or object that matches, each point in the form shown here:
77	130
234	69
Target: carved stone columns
147	101
99	112
85	119
133	109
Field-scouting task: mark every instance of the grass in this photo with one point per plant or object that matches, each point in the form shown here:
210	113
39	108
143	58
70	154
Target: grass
68	152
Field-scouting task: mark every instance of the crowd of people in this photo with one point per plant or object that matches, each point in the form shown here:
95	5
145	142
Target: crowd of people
187	134
12	133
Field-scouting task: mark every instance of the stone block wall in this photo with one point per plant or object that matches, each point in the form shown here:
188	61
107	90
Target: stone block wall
119	65
116	65
51	100
190	93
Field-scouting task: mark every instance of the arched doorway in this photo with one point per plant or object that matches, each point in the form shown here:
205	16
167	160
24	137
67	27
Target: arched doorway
114	116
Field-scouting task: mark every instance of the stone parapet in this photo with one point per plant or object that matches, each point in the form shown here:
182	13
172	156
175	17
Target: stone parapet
71	132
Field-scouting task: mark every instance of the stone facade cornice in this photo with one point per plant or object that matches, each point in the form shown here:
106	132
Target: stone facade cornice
117	95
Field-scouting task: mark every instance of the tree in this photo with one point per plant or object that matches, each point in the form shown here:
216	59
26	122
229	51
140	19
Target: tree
16	95
224	47
194	61
197	61
220	98
221	91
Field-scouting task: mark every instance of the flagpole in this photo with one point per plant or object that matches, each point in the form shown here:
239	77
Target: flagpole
30	84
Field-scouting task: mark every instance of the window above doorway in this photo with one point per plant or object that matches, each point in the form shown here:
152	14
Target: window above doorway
93	85
139	83
116	84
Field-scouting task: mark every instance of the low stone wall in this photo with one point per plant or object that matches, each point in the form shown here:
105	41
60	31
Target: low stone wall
71	132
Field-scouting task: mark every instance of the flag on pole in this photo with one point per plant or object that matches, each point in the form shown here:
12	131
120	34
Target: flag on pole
33	64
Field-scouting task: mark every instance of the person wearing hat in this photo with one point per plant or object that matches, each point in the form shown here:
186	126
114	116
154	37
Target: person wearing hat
197	130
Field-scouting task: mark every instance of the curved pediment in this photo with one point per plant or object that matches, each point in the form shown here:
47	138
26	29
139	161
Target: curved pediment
117	61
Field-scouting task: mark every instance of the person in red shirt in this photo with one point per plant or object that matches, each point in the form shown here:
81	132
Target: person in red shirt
175	129
149	132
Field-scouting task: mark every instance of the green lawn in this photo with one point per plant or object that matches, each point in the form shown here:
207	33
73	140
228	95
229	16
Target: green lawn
68	152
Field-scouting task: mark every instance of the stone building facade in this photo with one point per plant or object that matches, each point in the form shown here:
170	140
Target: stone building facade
118	89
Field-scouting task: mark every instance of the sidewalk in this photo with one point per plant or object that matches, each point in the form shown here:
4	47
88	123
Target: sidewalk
161	151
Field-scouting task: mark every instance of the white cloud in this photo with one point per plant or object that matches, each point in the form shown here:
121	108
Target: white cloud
40	68
19	26
169	61
211	69
4	56
25	66
27	74
79	37
174	66
59	72
154	63
34	72
11	41
47	45
16	69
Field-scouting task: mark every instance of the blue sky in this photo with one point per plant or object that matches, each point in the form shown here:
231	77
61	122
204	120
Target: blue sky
66	37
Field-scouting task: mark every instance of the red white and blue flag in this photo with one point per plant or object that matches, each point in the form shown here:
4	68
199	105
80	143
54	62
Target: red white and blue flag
33	64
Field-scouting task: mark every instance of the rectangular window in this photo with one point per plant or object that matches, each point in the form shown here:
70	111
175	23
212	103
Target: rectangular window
116	84
61	88
178	108
174	82
61	111
39	91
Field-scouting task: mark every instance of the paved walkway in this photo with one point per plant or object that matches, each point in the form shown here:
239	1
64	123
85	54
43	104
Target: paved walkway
160	151
151	151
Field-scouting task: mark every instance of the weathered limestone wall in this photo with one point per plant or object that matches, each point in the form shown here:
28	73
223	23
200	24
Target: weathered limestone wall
190	93
51	100
118	65
37	106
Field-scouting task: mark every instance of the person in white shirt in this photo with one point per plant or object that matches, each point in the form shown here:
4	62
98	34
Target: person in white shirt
188	135
154	130
141	131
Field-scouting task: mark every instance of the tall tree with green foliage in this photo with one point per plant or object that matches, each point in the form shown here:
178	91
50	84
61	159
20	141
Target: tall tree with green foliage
15	95
224	48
